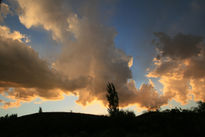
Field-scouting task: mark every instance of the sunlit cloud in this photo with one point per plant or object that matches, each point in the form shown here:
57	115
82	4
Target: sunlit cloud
179	66
87	61
15	35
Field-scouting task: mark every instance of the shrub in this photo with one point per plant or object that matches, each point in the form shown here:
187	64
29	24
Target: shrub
11	117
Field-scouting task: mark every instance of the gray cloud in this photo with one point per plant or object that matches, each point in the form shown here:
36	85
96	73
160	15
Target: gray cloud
180	46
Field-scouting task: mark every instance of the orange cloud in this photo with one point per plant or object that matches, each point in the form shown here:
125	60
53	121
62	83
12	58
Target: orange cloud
7	105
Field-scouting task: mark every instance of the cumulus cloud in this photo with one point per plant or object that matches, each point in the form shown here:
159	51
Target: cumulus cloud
28	75
94	54
146	96
88	59
180	66
15	35
50	14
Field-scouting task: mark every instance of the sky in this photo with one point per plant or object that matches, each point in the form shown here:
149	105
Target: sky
59	55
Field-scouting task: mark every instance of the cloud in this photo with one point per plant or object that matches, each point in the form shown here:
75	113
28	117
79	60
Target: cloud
180	46
180	66
146	96
10	104
53	15
93	54
88	59
15	35
4	11
28	75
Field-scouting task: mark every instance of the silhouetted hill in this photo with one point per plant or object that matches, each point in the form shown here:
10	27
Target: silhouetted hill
59	124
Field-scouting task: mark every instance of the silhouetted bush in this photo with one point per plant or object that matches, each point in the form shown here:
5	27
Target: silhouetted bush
11	117
200	107
173	110
123	114
126	114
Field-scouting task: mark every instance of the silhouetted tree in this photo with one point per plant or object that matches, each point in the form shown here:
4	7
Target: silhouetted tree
112	98
40	110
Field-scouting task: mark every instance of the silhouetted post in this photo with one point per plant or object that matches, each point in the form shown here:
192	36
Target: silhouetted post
40	110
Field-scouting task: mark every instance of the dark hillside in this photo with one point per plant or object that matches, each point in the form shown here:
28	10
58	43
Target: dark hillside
153	124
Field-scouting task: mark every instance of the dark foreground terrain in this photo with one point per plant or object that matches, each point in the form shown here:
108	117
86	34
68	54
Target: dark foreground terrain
153	124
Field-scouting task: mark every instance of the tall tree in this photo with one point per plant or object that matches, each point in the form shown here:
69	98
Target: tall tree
112	98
